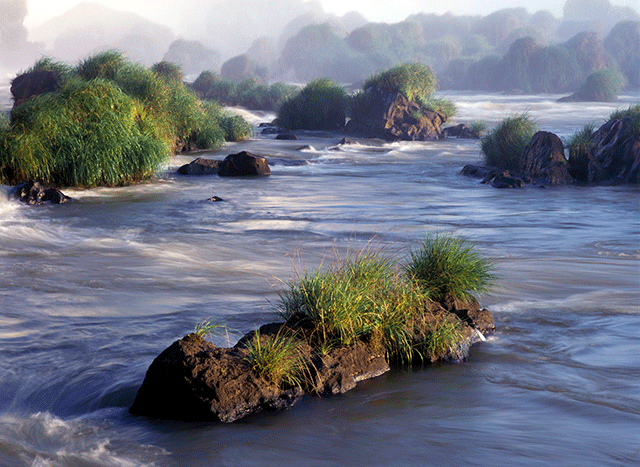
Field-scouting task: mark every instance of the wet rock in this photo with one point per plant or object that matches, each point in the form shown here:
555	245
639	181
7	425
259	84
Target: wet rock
31	192
477	171
614	153
28	85
287	136
459	131
200	166
242	164
504	179
193	380
215	199
392	117
543	158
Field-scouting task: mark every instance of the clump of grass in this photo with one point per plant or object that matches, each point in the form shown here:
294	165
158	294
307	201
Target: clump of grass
448	266
439	104
277	359
321	105
478	127
441	340
205	328
413	80
633	114
578	145
86	134
504	145
111	123
368	298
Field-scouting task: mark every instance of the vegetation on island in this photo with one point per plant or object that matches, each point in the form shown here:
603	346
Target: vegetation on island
370	298
321	105
111	122
247	93
504	145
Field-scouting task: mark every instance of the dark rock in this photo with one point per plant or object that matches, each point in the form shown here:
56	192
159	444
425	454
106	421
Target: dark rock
200	166
305	147
614	154
287	136
543	158
469	311
193	380
215	199
243	163
345	141
286	162
477	171
459	131
392	117
31	192
34	83
270	130
503	179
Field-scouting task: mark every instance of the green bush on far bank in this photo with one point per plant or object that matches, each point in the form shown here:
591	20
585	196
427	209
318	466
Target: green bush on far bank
321	105
504	145
111	122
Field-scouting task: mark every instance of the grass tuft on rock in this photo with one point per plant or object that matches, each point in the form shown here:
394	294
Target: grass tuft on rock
414	81
277	359
503	146
369	298
449	266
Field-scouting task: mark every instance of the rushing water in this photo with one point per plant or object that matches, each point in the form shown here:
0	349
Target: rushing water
91	292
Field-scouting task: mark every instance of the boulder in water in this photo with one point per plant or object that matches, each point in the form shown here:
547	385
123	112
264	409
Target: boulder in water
32	192
242	164
543	158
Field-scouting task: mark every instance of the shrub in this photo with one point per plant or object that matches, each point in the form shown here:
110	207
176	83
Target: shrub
111	122
504	145
277	359
478	127
447	266
578	145
235	128
439	104
85	134
633	114
321	105
168	71
414	81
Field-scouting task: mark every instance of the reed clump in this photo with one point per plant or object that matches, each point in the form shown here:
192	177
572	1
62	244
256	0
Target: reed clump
111	123
503	146
370	298
321	105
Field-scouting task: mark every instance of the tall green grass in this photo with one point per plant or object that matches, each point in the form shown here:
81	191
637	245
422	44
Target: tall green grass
414	81
112	122
446	265
321	105
369	298
503	146
633	114
277	359
86	134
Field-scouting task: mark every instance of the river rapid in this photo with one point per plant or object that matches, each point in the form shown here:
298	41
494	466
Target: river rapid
92	292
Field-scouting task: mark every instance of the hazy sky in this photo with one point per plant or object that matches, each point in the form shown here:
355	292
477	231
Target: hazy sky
373	10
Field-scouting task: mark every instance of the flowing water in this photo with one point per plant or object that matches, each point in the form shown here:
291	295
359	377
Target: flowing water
91	292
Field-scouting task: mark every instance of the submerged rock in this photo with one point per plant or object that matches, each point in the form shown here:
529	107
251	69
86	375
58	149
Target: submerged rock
31	192
200	166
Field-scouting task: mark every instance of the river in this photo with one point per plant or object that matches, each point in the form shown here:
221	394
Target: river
92	292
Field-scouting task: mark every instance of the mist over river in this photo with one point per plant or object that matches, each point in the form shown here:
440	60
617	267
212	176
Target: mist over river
92	292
